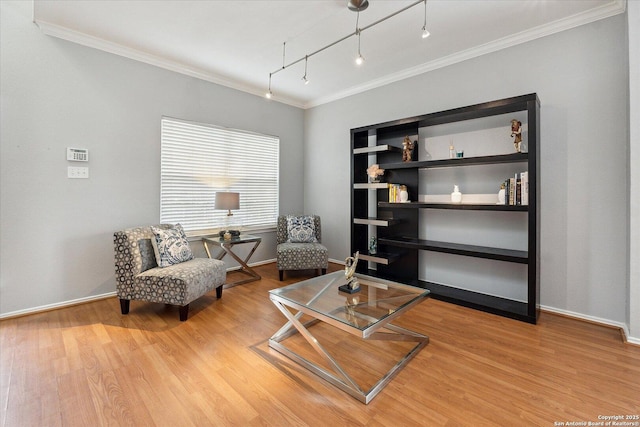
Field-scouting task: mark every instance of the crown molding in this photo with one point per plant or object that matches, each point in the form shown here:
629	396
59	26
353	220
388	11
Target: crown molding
147	58
605	11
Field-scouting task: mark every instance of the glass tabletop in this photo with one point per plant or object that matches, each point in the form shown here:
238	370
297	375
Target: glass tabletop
378	299
242	238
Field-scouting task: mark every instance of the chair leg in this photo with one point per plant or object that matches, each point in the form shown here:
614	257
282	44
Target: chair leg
124	306
219	292
281	273
184	312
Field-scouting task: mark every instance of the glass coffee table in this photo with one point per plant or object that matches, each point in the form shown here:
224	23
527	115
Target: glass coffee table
366	314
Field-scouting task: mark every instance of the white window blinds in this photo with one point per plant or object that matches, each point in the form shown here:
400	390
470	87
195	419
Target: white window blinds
199	159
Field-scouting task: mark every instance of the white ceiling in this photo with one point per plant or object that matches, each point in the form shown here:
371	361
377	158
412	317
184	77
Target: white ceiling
238	43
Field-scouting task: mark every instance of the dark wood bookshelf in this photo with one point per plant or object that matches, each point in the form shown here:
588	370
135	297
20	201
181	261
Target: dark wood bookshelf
398	239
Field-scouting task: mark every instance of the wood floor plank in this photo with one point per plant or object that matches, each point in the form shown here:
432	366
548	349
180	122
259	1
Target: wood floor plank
90	365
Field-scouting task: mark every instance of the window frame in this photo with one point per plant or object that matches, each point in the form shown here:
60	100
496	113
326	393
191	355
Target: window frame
191	172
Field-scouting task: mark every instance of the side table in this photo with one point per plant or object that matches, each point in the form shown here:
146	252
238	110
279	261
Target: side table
227	248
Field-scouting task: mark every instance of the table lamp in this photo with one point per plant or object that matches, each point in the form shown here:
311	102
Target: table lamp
226	201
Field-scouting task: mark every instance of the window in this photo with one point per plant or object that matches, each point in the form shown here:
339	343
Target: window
199	159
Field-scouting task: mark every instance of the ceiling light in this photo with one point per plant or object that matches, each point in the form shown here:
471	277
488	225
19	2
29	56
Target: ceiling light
360	58
356	6
269	94
425	32
304	78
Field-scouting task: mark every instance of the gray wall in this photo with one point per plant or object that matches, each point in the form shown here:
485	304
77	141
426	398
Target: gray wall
581	77
56	233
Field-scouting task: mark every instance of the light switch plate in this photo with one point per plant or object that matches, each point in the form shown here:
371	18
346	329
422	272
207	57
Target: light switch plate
77	172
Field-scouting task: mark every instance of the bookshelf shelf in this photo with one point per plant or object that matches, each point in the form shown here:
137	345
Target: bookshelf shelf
376	149
371	186
458	206
379	222
384	258
499	254
465	161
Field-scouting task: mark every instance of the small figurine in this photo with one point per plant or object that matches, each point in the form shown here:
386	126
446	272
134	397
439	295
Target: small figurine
501	194
373	246
407	149
517	132
349	269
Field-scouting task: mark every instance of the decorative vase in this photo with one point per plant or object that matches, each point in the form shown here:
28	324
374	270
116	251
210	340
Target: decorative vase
456	196
404	194
374	179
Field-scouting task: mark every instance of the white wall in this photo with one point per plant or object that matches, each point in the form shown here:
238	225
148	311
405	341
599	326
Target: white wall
57	233
581	78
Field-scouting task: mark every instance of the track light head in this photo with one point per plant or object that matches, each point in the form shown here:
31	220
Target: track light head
306	62
268	95
359	58
425	32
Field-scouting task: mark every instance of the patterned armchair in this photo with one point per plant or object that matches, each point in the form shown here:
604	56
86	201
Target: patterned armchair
139	278
300	250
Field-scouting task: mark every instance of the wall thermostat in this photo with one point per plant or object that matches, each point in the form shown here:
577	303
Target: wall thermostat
77	154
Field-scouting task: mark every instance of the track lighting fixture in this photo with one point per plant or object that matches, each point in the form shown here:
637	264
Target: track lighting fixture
425	32
356	6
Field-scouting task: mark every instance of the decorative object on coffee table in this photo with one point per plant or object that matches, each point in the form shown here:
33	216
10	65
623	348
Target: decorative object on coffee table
352	286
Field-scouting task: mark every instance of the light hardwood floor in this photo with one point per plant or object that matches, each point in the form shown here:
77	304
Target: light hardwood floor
88	365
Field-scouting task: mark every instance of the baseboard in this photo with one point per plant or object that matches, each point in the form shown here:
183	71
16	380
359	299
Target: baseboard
50	307
623	327
252	264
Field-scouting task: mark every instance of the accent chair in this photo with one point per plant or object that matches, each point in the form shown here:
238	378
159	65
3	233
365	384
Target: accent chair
299	244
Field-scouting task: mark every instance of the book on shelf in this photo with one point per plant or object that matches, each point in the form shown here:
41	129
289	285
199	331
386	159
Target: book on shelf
517	189
394	193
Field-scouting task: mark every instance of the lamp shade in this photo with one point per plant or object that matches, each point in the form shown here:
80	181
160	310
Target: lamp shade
227	201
